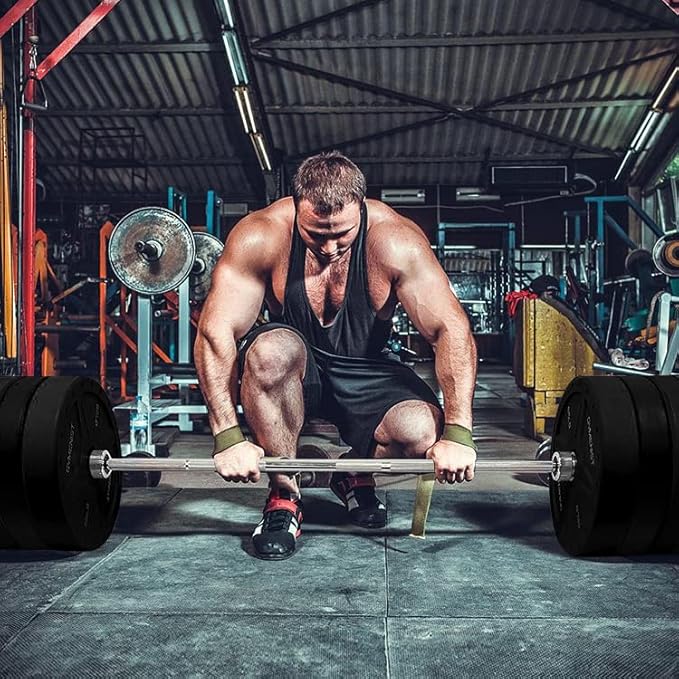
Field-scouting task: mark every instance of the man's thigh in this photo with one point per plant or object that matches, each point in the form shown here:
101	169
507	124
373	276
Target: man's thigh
311	383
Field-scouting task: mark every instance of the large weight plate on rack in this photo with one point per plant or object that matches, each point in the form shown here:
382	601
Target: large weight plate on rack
15	508
208	251
67	418
650	492
596	420
666	254
6	539
668	535
138	272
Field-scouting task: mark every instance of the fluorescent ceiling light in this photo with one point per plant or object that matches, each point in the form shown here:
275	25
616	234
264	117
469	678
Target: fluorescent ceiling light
245	108
644	130
227	14
235	57
402	196
472	194
622	165
666	89
260	149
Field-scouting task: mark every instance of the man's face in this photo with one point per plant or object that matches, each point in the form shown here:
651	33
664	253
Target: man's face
328	237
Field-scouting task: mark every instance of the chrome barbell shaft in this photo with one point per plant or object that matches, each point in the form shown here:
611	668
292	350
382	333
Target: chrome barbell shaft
102	464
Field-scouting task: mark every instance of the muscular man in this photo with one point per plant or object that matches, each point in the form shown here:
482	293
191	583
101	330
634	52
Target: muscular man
331	267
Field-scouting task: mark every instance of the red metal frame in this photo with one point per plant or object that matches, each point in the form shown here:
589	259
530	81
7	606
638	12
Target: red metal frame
25	8
13	14
72	40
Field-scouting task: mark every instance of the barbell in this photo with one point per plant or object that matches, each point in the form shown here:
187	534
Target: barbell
152	250
613	468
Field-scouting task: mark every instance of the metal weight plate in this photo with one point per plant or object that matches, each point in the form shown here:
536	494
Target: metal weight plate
173	239
596	420
310	451
208	251
668	535
15	508
67	418
666	254
637	260
6	539
650	490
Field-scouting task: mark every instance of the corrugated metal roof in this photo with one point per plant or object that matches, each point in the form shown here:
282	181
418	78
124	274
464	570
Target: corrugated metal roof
443	17
159	68
430	55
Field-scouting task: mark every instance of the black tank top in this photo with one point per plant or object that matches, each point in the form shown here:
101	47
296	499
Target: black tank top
356	330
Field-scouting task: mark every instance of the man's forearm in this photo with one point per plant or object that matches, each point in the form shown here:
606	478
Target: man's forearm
217	367
455	366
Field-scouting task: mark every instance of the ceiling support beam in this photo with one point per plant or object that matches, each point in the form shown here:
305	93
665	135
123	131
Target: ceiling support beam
171	47
318	109
469	40
378	109
575	79
420	101
157	162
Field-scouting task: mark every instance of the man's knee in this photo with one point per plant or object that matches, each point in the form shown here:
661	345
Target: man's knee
274	357
411	426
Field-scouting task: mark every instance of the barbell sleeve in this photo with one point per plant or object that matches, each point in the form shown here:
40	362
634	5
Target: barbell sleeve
561	467
151	249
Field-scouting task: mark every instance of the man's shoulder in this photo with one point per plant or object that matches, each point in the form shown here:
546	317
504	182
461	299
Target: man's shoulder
392	235
265	230
273	220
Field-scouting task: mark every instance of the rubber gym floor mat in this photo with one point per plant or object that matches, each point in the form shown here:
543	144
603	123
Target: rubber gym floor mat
215	573
30	580
463	510
559	649
468	576
287	647
11	624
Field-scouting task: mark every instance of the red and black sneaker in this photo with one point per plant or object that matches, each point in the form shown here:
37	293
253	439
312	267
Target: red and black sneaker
357	493
276	534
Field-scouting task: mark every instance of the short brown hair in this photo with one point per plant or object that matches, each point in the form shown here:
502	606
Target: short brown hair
329	181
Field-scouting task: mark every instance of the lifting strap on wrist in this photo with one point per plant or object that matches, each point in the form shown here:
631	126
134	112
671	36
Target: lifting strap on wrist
227	438
458	434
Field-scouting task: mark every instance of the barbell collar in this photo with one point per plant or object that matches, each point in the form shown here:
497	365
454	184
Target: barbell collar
199	267
561	467
150	249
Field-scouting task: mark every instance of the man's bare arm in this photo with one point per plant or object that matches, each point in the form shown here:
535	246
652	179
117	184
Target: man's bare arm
230	310
423	288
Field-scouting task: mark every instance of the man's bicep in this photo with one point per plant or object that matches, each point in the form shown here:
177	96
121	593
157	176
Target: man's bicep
235	299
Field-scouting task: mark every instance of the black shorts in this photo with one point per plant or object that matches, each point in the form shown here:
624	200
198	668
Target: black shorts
352	393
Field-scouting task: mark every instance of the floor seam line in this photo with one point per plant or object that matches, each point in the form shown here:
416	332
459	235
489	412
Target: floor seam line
70	588
386	607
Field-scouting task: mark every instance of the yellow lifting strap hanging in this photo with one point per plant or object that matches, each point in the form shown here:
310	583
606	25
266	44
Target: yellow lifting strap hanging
423	493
